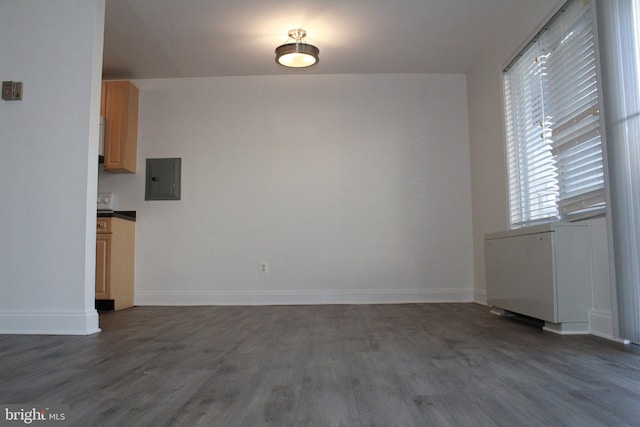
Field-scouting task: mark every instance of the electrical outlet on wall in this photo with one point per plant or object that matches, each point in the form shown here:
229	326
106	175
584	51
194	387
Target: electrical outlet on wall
263	267
105	201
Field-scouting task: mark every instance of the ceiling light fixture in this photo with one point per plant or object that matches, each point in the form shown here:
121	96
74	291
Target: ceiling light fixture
297	54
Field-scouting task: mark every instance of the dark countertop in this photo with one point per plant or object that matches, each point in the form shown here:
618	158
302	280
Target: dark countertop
128	215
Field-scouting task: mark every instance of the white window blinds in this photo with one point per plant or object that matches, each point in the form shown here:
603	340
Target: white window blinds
552	118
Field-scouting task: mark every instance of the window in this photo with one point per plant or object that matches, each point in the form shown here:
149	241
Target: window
554	149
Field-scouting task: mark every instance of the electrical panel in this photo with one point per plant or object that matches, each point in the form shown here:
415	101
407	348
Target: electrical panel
12	91
163	179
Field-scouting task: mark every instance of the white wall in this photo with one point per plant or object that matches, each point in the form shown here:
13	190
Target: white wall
486	126
354	188
48	172
487	152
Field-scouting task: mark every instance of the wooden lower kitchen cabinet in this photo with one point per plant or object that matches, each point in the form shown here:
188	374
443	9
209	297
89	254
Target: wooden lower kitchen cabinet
115	263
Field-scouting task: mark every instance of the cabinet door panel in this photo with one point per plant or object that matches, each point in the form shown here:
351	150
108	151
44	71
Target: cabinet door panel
103	266
121	127
116	123
520	275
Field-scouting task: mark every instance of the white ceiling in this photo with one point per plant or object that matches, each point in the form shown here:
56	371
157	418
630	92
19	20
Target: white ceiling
198	38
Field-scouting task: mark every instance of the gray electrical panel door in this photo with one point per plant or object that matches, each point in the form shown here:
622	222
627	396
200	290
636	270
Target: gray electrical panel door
163	179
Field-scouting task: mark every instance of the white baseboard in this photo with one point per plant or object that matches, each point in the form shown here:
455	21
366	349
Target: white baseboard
480	296
601	324
49	322
303	297
567	328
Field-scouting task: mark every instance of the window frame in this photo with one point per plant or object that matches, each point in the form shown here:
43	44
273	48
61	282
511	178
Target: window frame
583	213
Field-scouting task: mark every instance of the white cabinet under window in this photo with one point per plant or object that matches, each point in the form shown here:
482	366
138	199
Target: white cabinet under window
543	272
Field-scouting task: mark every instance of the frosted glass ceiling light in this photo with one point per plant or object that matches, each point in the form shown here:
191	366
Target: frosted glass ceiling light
297	54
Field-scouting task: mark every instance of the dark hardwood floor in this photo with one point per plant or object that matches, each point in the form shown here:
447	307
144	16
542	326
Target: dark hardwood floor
334	365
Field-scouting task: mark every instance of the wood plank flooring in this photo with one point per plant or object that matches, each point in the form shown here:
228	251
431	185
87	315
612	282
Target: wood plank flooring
333	365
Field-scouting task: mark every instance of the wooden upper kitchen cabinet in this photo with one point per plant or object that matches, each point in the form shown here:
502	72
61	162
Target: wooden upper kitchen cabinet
115	263
119	107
